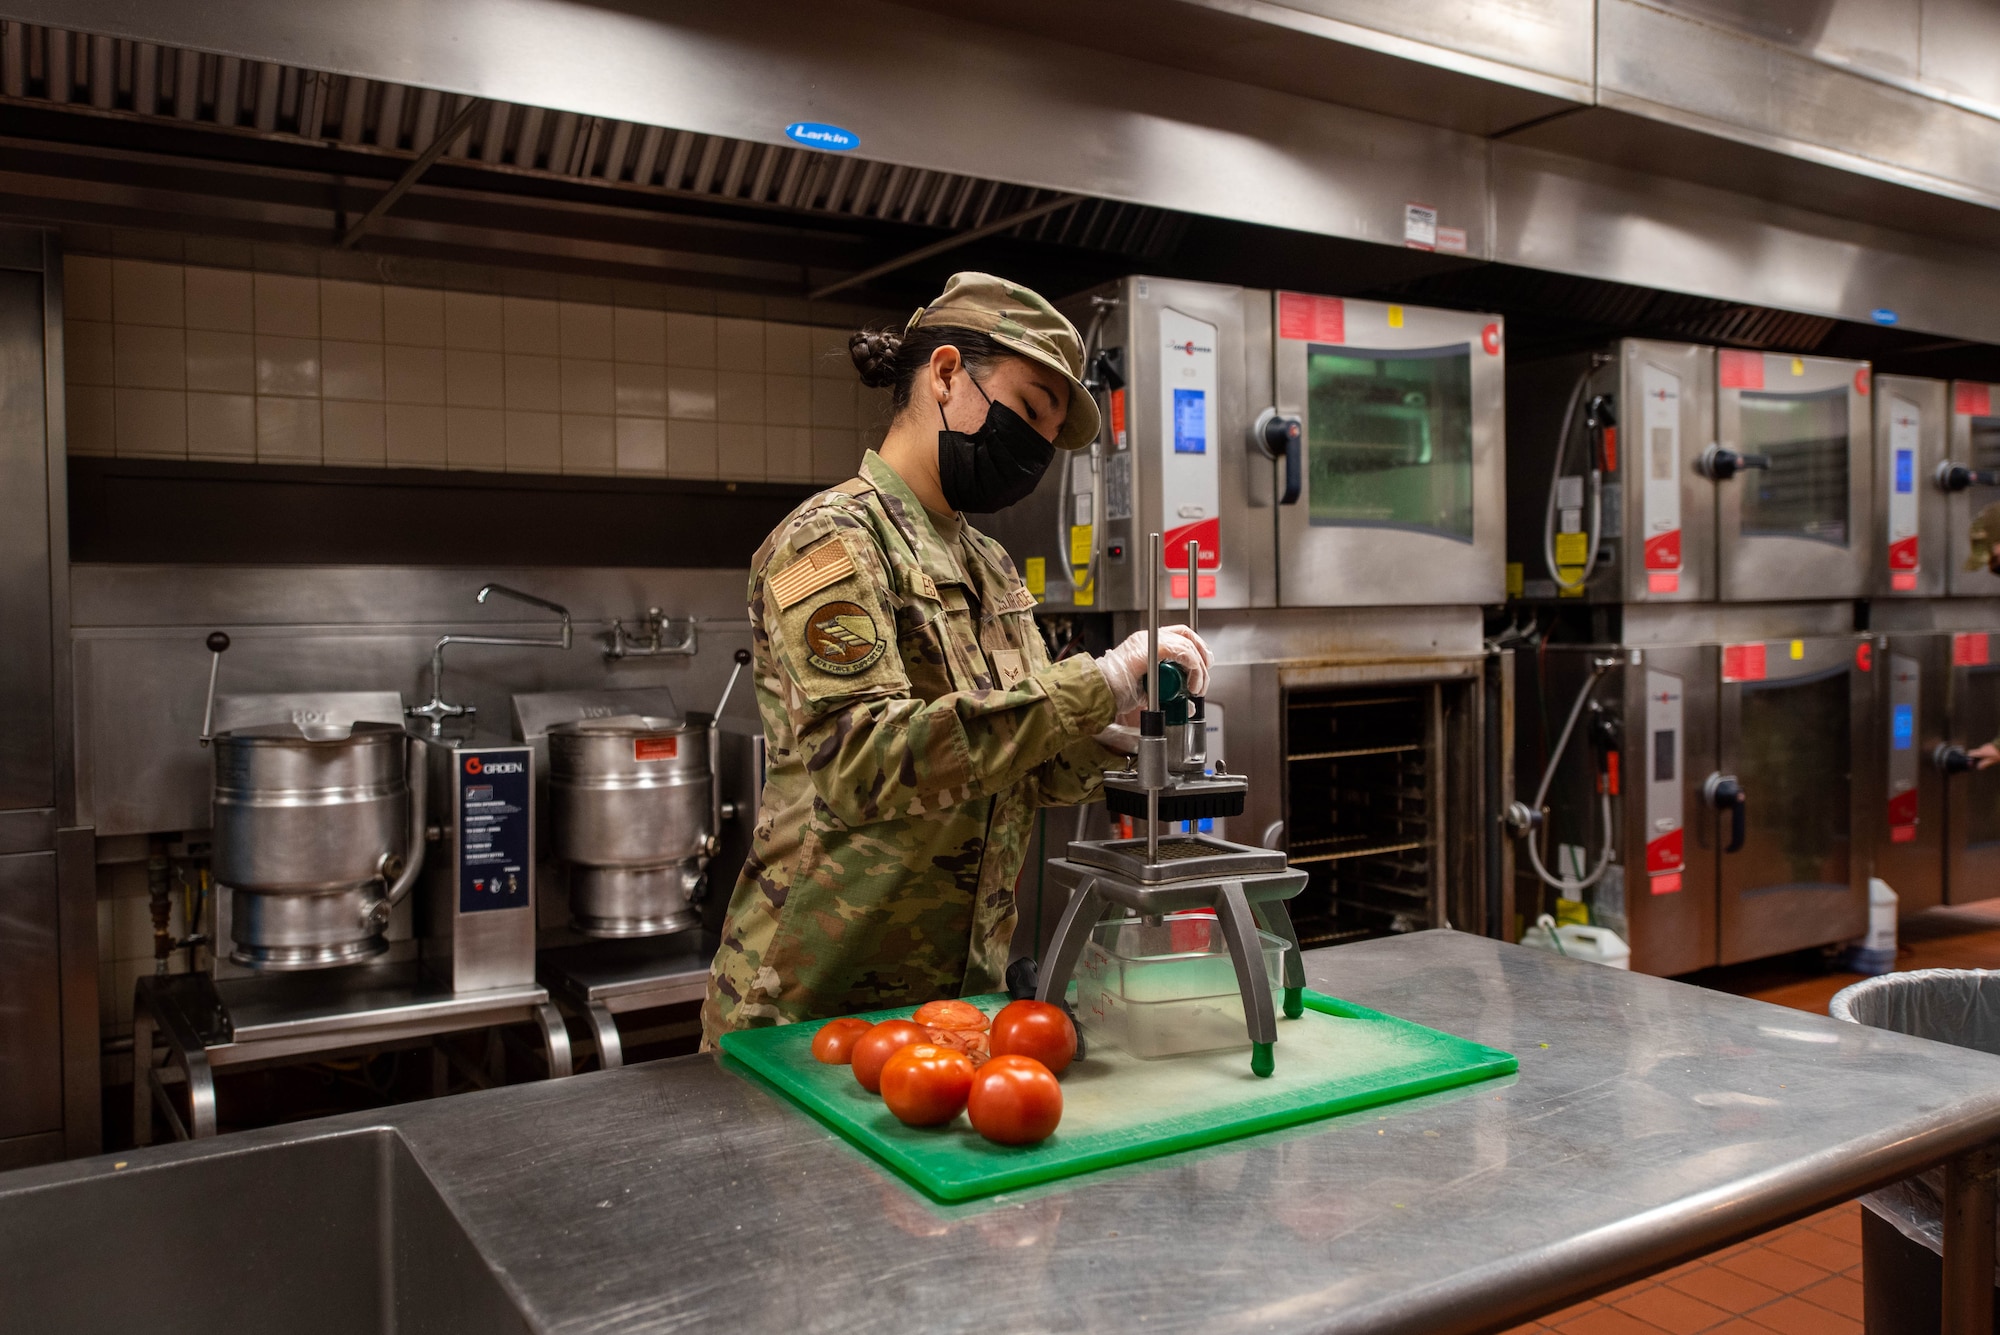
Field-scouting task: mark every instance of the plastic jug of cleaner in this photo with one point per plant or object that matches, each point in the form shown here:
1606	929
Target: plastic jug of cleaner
1599	945
1876	952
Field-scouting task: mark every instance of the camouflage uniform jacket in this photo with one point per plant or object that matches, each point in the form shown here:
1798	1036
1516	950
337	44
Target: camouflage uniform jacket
913	722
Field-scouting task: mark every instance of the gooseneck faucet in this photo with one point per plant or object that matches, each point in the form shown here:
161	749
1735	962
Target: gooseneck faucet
435	709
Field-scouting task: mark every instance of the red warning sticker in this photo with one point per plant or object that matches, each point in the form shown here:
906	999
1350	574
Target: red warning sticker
1743	662
1973	650
655	748
1972	399
1740	370
1663	550
1319	319
1666	883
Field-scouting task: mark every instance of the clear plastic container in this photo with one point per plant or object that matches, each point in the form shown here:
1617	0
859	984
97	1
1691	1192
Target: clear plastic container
1161	990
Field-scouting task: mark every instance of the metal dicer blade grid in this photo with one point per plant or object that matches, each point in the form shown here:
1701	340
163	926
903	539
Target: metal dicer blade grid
1179	850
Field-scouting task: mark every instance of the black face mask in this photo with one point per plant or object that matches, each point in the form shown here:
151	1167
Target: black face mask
995	466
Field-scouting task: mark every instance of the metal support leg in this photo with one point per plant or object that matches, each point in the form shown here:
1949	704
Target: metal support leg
1968	1243
1275	918
142	1075
555	1037
1239	926
610	1049
201	1094
1085	907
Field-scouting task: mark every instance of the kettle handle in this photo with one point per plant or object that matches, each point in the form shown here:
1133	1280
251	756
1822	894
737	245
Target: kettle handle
402	873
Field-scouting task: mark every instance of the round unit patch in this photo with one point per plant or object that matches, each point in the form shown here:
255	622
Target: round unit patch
841	638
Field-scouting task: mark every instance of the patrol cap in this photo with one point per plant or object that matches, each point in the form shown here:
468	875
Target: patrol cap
1024	322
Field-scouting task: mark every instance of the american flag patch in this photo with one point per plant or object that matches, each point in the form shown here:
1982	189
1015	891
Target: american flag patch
825	564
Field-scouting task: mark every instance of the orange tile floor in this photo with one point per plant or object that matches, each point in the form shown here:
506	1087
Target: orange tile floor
1805	1278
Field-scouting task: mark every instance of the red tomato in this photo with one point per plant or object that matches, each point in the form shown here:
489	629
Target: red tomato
1037	1029
926	1085
950	1015
875	1047
834	1043
1015	1100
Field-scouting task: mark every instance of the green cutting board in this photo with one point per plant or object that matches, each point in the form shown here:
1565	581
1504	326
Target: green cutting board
1335	1058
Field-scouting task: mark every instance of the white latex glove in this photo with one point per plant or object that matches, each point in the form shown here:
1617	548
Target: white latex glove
1124	666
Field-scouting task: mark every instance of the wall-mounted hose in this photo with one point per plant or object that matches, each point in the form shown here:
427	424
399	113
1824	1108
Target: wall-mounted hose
1597	671
1594	530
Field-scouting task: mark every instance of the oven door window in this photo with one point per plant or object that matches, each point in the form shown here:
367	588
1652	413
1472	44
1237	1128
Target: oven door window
1978	722
1803	494
1986	458
1795	767
1389	438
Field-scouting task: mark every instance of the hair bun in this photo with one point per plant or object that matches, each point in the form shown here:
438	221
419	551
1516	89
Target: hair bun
874	353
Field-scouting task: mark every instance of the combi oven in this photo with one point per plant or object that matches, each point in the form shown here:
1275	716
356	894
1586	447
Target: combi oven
1658	472
1385	429
1938	827
1322	452
1714	800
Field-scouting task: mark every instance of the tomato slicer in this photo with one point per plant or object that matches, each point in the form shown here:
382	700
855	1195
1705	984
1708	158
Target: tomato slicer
1149	876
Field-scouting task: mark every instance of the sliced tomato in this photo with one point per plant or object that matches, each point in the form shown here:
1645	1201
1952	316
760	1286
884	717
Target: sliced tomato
874	1048
1014	1100
951	1015
1037	1029
925	1084
834	1043
974	1043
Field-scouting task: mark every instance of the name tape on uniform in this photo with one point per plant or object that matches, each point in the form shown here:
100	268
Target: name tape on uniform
825	564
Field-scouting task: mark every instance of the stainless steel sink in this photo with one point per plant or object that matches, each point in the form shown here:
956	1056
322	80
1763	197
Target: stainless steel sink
339	1233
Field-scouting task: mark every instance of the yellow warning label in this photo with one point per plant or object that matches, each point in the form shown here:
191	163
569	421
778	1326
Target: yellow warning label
1035	572
1079	544
1086	596
1798	366
1572	549
1798	650
1571	585
1516	580
1395	317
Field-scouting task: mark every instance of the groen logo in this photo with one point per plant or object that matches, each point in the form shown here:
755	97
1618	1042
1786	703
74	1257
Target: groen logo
841	638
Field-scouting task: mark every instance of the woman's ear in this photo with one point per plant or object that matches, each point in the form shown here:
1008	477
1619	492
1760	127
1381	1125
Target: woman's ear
945	366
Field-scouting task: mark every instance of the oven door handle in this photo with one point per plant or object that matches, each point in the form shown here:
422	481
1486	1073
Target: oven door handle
1277	437
1957	477
1725	793
1951	758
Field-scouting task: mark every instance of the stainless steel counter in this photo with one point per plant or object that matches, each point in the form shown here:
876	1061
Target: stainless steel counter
1649	1122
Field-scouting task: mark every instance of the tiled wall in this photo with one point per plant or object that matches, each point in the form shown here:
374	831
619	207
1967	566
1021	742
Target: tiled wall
182	361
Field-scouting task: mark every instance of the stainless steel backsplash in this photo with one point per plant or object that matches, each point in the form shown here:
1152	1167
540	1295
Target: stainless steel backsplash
141	667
